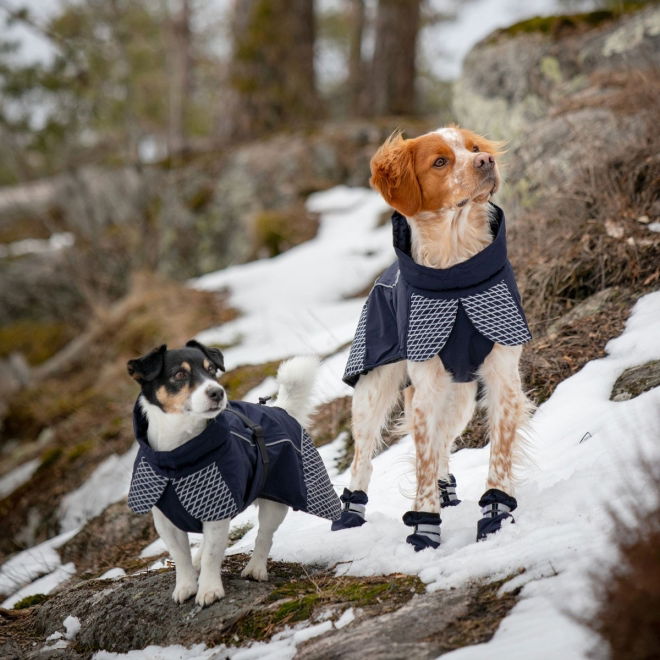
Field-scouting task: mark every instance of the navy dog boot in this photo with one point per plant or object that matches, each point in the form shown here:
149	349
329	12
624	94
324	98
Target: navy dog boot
352	515
496	506
448	495
427	529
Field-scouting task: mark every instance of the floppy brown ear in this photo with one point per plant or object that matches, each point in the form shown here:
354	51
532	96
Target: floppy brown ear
213	354
393	175
148	366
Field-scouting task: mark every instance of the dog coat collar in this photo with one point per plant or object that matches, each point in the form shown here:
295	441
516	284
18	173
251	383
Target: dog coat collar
414	312
220	472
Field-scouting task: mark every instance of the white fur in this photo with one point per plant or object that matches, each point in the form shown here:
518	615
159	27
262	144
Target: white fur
296	378
168	431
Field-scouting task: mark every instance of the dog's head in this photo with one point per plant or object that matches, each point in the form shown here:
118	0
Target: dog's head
437	171
183	381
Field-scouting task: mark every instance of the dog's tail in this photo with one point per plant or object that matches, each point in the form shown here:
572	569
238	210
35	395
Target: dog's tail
295	378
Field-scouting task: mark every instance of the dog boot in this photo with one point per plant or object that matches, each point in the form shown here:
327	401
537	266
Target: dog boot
448	491
496	506
427	529
352	515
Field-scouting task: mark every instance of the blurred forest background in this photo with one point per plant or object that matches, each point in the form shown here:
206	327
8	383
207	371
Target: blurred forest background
146	142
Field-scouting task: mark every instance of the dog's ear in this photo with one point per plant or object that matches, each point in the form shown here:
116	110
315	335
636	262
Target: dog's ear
393	175
148	367
213	354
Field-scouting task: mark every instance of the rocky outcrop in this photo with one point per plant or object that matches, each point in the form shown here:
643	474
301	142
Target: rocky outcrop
558	89
635	381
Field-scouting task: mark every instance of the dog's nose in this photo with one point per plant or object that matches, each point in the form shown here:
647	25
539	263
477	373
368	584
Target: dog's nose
215	393
483	161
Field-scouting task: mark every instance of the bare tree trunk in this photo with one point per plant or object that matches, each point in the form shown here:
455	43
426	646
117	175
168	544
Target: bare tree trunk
355	63
180	84
271	74
392	80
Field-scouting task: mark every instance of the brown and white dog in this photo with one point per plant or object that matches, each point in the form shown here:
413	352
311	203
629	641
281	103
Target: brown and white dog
442	183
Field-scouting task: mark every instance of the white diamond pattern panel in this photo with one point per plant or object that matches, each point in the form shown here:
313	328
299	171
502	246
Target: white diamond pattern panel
430	324
146	488
205	495
355	363
321	497
495	315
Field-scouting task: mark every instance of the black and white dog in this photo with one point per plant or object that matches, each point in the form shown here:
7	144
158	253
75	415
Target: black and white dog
203	459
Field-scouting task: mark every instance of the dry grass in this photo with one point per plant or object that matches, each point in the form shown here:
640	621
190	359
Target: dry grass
628	616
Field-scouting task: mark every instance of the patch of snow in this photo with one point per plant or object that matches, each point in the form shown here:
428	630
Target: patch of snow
24	567
72	627
27	246
267	388
176	652
108	483
347	617
654	226
43	585
154	549
297	303
113	574
54	636
17	477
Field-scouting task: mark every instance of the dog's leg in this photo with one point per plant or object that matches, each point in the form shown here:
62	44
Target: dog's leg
508	410
210	588
197	559
271	515
431	431
176	542
440	409
375	395
459	408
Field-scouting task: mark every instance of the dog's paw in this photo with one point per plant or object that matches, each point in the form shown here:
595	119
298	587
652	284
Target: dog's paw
208	595
256	570
183	591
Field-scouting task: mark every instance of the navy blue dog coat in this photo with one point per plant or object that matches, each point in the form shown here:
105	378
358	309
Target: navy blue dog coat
220	472
415	312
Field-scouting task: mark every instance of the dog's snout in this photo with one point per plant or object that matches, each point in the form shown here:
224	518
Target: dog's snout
484	161
215	393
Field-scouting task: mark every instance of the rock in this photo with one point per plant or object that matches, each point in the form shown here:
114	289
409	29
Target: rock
635	381
409	632
588	307
113	537
134	612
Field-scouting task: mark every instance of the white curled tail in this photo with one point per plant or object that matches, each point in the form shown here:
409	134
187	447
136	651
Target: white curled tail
296	378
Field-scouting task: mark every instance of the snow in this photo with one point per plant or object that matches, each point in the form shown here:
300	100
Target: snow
43	585
72	627
113	574
17	477
298	303
347	617
24	567
108	483
54	243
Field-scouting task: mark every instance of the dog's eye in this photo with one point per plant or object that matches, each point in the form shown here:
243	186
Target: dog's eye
440	162
212	370
476	149
181	375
